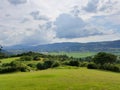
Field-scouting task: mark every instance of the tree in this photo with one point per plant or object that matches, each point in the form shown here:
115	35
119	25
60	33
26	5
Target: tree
26	58
36	58
48	64
92	66
102	58
40	66
74	63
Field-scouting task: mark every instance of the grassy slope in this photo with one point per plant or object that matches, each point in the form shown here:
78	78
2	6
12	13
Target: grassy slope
80	54
8	60
74	54
61	79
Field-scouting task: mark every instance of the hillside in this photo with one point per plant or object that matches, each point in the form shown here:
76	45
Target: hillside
61	79
110	46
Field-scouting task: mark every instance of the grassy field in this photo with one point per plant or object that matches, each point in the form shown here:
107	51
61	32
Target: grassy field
74	54
61	79
79	54
8	60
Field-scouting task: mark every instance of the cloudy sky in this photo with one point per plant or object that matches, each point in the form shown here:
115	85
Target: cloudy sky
34	22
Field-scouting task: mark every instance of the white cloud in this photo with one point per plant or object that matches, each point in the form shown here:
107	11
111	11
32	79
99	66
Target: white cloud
54	8
68	26
92	6
37	16
32	21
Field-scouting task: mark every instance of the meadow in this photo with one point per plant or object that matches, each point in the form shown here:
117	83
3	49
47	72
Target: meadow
61	79
74	54
8	60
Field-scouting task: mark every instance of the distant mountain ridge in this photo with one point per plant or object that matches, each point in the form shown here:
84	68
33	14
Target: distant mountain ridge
69	47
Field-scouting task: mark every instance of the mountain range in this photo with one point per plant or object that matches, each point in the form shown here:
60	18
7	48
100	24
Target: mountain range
109	46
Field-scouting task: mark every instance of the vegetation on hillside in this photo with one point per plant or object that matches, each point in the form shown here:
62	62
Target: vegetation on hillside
105	61
32	61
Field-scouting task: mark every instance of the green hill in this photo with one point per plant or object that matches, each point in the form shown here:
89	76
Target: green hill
61	79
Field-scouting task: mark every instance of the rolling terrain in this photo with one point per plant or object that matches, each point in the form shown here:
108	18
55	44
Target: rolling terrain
61	79
108	46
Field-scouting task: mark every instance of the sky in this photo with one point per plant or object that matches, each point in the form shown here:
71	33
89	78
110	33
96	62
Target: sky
35	22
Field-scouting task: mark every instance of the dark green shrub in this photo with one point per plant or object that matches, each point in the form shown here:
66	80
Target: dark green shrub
36	58
65	63
32	65
102	58
56	64
88	59
74	63
116	69
40	66
7	69
26	58
20	66
48	64
111	67
92	66
25	68
83	64
5	64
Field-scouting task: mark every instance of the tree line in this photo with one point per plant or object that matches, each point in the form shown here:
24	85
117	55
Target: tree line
32	61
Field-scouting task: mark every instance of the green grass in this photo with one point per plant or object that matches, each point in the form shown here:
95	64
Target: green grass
79	54
8	60
74	54
61	79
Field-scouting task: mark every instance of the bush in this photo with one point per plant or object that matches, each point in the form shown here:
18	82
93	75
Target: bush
7	69
48	64
26	58
20	66
83	64
5	64
116	69
92	66
65	63
111	67
25	68
102	58
74	63
36	58
32	65
56	64
40	66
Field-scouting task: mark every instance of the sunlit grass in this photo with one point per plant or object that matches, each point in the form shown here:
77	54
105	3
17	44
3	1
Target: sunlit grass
8	60
74	54
61	79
